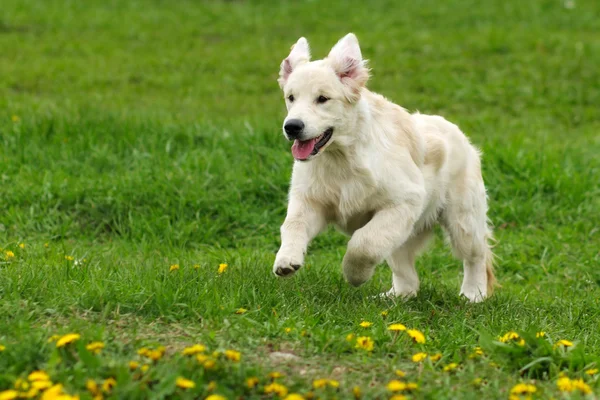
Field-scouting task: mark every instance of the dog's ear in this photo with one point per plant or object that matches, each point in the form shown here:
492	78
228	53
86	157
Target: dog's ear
346	60
299	54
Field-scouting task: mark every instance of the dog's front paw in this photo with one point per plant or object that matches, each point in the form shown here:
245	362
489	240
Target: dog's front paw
286	266
474	293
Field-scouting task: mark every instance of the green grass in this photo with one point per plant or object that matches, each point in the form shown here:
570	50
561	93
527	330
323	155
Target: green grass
141	134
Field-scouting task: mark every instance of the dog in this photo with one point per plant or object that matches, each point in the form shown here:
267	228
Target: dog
380	174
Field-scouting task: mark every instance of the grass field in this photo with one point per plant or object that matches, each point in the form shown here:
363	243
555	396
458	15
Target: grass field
138	135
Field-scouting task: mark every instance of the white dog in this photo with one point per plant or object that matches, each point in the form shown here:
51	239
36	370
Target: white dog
380	174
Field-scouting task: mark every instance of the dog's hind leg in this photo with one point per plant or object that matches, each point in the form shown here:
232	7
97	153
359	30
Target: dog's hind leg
465	221
405	281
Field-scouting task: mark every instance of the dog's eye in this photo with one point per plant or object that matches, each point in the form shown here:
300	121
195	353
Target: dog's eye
322	99
291	98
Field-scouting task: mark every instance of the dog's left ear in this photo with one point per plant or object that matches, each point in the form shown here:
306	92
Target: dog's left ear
299	54
346	60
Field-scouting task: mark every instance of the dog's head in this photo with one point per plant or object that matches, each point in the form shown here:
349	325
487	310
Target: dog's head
321	96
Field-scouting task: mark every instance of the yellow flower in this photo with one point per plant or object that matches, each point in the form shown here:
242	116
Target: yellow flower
53	393
233	355
419	357
69	258
288	330
53	338
350	337
400	373
15	119
154	355
365	343
95	347
477	381
2	348
173	267
523	388
366	324
435	357
396	386
416	335
195	349
450	367
41	385
563	343
398	397
356	392
566	384
184	383
67	339
251	382
321	383
46	245
108	385
215	397
396	327
9	395
222	268
383	314
241	311
592	371
540	334
21	245
212	386
476	353
580	385
30	394
209	364
145	367
196	266
276	388
133	365
21	384
512	337
9	254
275	375
38	376
294	396
92	387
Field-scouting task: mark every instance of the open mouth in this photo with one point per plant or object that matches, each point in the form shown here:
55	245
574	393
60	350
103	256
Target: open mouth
302	150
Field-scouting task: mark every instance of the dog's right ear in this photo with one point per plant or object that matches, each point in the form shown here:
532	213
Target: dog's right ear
300	54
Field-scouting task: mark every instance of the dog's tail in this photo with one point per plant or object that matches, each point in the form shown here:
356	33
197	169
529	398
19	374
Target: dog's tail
490	257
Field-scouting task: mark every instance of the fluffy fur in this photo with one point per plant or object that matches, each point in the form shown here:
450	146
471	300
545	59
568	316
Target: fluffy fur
385	177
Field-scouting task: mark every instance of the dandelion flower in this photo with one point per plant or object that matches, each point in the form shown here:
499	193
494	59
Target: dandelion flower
400	373
21	384
215	397
251	382
419	357
365	324
523	388
540	334
133	365
144	367
512	337
294	396
233	355
92	387
67	339
396	327
416	335
435	357
384	313
565	384
222	268
396	386
196	266
287	330
356	392
275	375
184	383
476	353
321	383
9	254
108	385
53	338
9	395
46	245
2	348
69	258
365	343
563	343
15	119
95	347
592	371
241	311
477	381
350	337
38	376
41	385
195	349
209	364
450	367
398	397
276	388
21	245
173	267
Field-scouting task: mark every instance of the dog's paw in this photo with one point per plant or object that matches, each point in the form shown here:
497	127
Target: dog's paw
286	266
474	294
397	294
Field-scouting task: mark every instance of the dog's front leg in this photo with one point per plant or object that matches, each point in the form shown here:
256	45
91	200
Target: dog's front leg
387	230
302	223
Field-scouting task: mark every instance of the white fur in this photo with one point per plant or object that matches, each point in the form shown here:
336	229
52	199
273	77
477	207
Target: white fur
385	177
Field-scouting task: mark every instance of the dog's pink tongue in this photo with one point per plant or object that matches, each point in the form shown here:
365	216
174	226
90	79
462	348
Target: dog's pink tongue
301	149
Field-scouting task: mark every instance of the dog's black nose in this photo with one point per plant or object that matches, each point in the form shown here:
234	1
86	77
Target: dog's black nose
293	128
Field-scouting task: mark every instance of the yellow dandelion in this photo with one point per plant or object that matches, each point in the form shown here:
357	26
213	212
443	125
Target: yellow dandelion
21	384
9	395
384	313
9	254
477	382
356	392
2	348
294	396
184	383
212	386
53	338
398	397
108	385
581	386
38	376
396	327
540	334
478	352
287	330
95	347
41	385
277	389
251	382
196	266
275	375
416	335
350	337
46	245
21	245
512	337
396	386
222	268
365	324
15	119
233	355
400	373
241	311
450	367
563	343
523	388
92	387
193	350
418	357
319	383
69	258
209	364
133	365
365	343
216	397
565	384
67	339
435	357
145	367
173	267
333	383
592	371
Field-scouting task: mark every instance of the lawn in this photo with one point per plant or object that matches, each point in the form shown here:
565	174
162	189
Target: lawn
141	149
